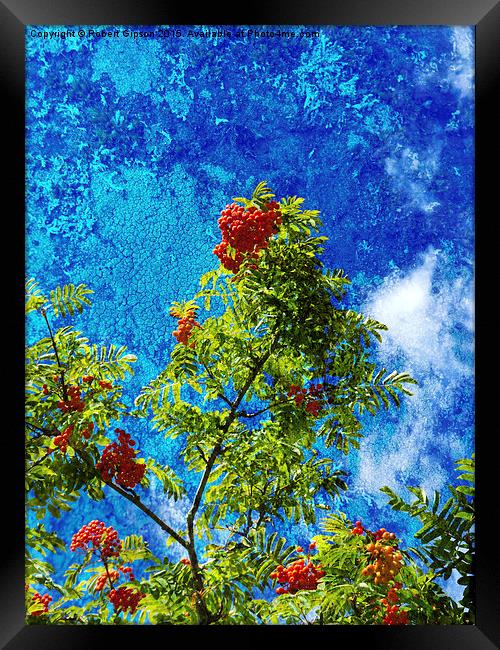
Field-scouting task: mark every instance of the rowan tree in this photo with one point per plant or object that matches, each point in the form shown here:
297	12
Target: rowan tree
264	392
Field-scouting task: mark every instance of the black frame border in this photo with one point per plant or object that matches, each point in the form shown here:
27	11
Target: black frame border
485	16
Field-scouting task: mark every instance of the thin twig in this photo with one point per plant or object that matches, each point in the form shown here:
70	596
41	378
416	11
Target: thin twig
201	452
43	430
243	414
37	462
43	311
212	377
107	571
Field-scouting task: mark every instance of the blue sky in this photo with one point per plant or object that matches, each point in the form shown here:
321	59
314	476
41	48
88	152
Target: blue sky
134	147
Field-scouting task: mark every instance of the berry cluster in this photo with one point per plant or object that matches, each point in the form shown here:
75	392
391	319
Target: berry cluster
62	441
87	432
358	529
125	598
393	614
96	536
245	232
313	397
301	574
118	459
185	324
386	562
44	602
382	533
74	401
127	570
112	575
386	559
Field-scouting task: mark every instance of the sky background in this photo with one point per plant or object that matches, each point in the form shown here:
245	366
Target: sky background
134	146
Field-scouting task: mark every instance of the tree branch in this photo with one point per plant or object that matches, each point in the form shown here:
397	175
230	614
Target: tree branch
204	615
37	462
43	311
43	430
135	499
243	414
199	492
107	572
216	450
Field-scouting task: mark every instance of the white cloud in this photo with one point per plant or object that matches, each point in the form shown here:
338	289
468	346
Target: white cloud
453	71
411	173
421	315
430	335
461	71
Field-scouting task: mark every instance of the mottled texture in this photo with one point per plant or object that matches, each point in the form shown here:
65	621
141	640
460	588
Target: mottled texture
134	147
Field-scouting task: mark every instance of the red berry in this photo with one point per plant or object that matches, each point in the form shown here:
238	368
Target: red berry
73	401
124	599
118	461
95	536
246	232
44	602
299	575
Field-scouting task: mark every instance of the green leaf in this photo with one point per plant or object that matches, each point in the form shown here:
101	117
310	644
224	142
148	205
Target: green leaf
68	298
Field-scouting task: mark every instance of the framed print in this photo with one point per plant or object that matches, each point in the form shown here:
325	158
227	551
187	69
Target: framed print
253	394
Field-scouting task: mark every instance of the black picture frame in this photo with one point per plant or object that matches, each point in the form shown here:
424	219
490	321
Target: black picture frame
485	16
